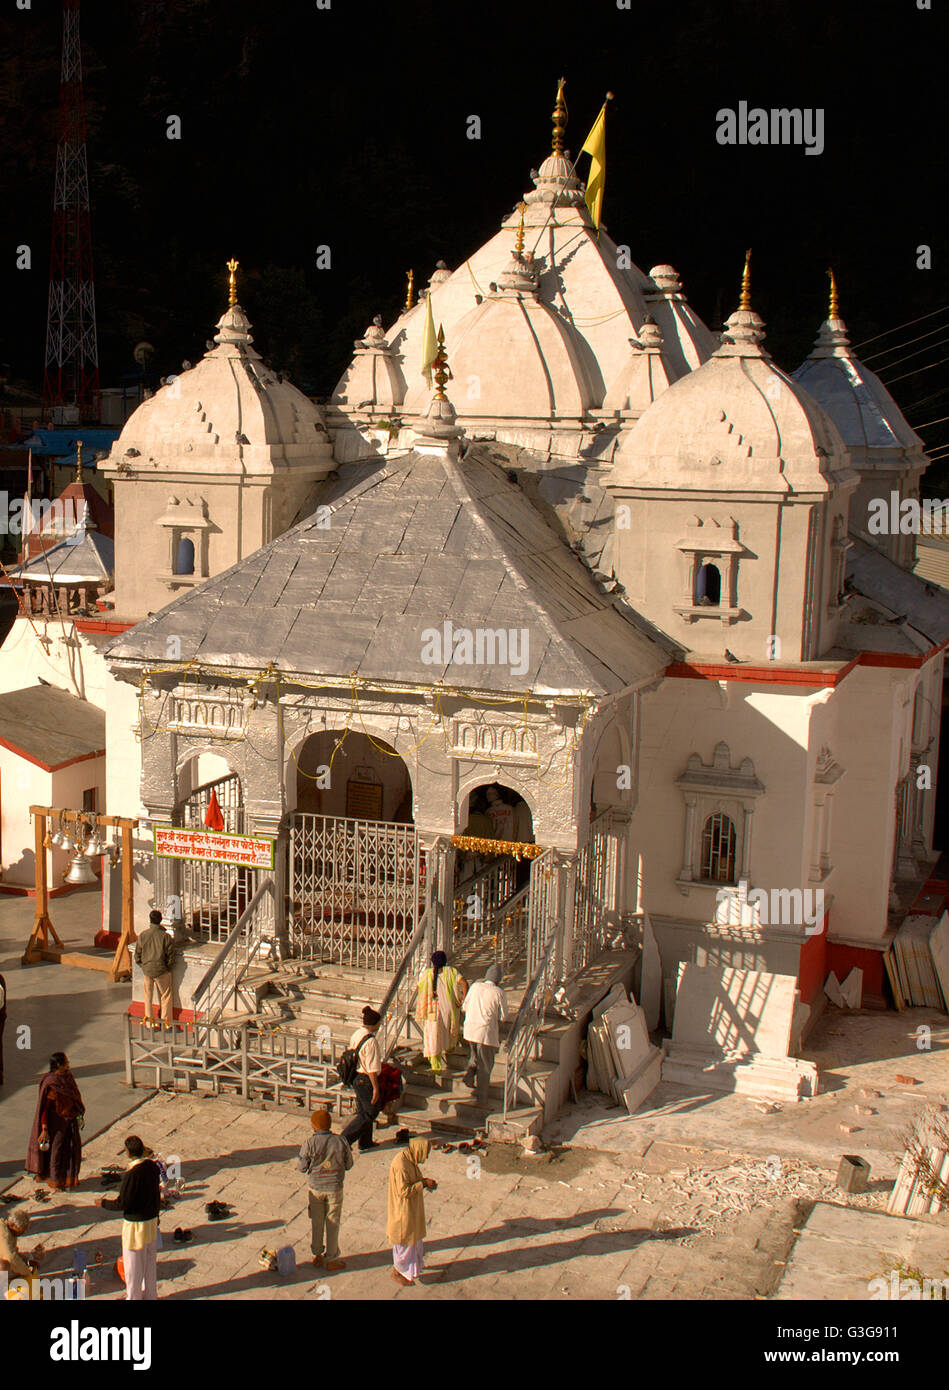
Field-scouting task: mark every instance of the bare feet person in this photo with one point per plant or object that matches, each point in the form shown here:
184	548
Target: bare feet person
405	1227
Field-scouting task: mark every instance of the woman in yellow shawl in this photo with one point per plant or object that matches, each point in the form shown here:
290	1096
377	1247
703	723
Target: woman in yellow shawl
441	991
405	1227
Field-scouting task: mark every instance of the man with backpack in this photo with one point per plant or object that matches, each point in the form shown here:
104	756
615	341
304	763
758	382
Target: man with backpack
360	1067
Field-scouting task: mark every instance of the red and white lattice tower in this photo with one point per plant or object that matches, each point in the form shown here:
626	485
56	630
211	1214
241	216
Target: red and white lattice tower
72	355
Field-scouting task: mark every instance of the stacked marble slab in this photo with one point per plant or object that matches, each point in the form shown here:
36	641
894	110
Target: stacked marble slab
733	1031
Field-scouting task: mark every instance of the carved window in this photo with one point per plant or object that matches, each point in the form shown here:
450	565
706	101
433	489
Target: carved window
184	556
711	551
708	585
719	812
718	849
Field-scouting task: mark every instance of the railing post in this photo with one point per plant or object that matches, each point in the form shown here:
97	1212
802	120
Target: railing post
244	1089
129	1072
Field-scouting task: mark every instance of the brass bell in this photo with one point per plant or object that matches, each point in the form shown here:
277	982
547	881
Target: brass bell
80	870
96	845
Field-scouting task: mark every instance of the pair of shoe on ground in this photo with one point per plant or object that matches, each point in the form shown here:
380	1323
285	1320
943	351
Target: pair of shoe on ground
320	1262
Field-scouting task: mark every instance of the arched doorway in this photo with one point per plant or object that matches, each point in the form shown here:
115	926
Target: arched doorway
356	874
491	885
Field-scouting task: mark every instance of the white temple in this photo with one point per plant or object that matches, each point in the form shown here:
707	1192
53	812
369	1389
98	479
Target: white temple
720	660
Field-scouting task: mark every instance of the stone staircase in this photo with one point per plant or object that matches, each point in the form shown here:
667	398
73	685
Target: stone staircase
324	1000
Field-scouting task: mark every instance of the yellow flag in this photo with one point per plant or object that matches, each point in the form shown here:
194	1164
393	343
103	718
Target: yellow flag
595	147
429	341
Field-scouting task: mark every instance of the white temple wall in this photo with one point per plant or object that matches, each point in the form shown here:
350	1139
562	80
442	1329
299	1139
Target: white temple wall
657	573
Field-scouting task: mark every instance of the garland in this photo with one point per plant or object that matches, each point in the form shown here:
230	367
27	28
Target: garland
476	845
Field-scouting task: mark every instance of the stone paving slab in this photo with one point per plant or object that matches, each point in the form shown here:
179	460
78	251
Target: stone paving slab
514	1232
841	1252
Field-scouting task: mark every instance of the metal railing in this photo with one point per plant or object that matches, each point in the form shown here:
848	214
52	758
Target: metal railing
522	1039
222	980
477	899
236	1059
598	870
396	1007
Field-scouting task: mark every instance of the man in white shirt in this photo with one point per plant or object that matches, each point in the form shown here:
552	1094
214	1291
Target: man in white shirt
366	1083
484	1008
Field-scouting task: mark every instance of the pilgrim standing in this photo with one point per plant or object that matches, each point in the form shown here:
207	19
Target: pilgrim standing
139	1201
55	1150
326	1159
155	954
441	990
405	1227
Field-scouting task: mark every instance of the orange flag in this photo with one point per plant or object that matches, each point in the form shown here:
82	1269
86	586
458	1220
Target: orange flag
213	818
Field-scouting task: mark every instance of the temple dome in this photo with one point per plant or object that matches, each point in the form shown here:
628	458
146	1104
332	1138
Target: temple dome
513	357
855	398
230	405
737	423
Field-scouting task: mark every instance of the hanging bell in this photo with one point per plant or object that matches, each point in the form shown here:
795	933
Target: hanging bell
96	845
80	870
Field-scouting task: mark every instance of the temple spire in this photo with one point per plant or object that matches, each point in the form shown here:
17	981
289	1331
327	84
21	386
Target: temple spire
833	311
441	372
519	242
744	302
409	290
232	283
78	460
559	118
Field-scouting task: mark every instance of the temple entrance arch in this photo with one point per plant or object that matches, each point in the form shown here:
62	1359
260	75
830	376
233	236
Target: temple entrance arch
356	872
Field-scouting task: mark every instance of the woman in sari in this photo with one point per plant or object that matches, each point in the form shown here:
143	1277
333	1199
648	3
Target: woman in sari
55	1151
405	1227
441	992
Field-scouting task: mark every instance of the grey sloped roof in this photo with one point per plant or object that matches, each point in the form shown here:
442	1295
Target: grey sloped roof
906	595
405	546
86	557
50	726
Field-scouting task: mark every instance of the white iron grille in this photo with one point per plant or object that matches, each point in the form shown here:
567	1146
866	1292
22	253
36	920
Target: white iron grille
213	896
356	888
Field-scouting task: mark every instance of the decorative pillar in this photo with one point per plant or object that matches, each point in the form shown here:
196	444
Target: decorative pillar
275	828
689	847
747	814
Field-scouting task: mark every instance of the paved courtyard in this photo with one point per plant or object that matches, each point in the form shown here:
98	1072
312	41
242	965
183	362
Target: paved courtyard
673	1222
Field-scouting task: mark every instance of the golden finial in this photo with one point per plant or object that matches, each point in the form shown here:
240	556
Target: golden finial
441	372
78	460
409	290
559	118
834	310
745	302
232	283
519	243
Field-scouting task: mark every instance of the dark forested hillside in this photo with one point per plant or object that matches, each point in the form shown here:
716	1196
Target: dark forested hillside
346	127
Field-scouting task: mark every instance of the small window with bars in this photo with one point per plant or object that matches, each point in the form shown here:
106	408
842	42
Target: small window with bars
718	849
